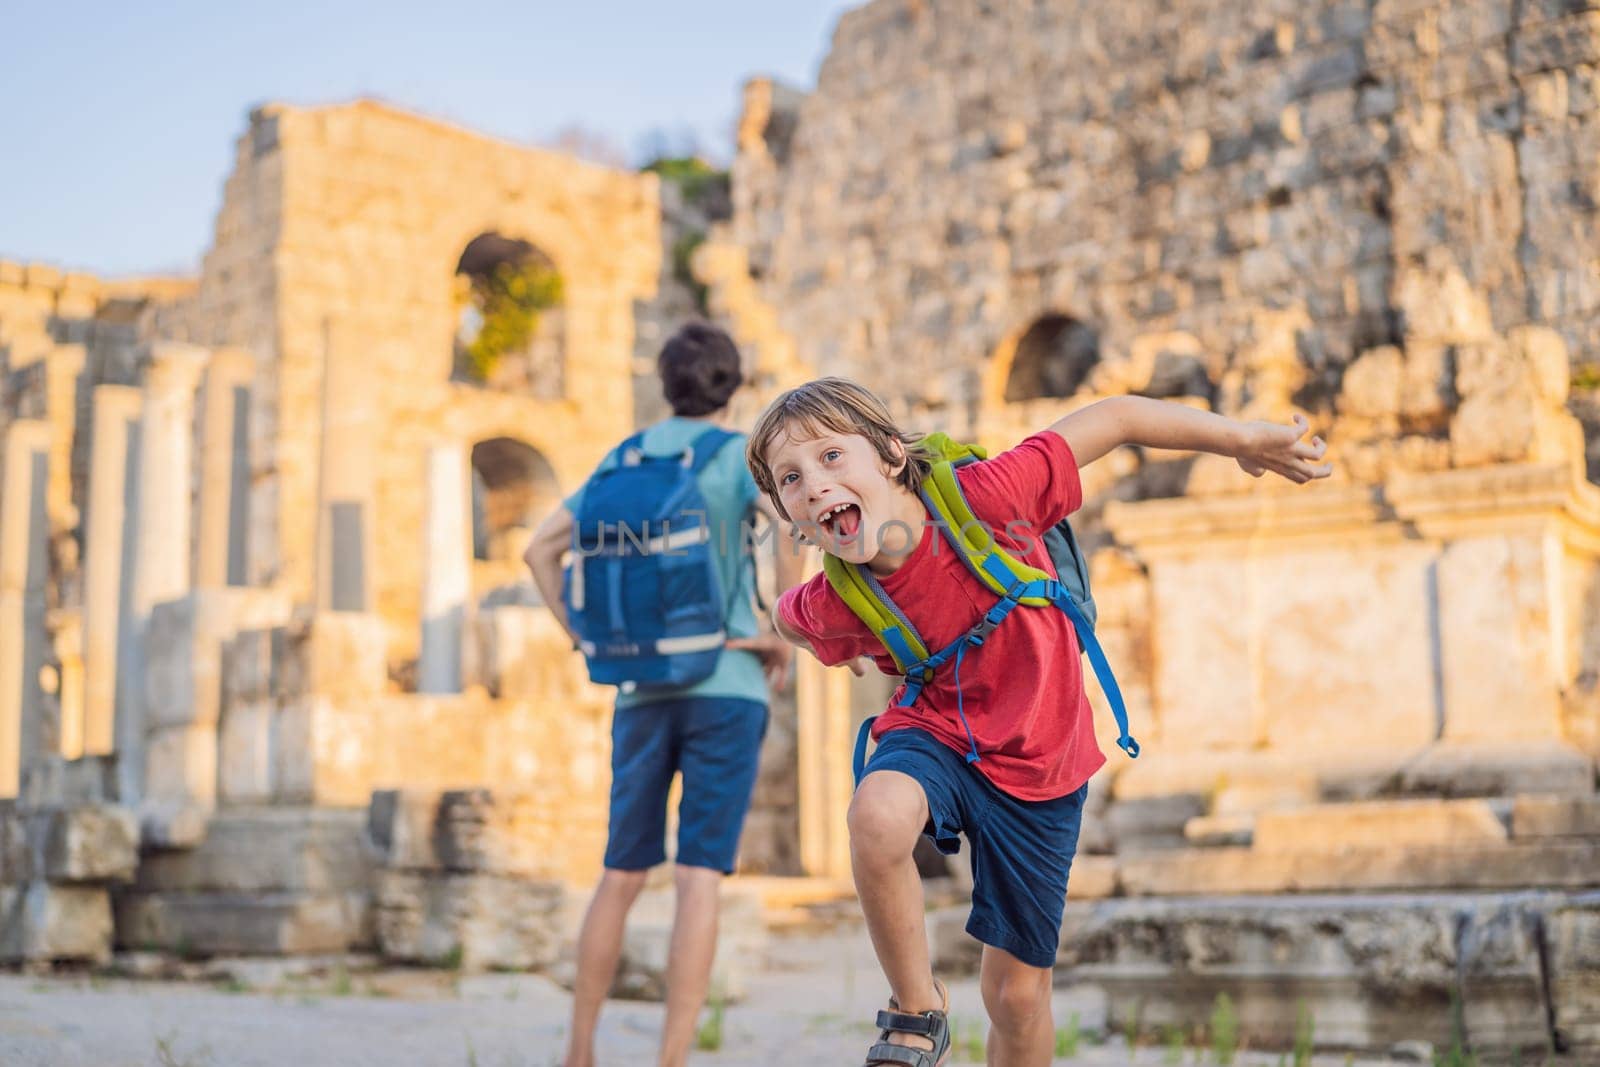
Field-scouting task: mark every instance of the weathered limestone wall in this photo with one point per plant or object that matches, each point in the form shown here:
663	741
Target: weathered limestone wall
963	168
1367	213
335	265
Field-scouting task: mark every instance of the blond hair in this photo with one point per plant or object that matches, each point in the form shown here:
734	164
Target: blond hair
834	405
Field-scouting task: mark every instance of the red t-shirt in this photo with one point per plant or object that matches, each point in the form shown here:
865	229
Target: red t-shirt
1022	689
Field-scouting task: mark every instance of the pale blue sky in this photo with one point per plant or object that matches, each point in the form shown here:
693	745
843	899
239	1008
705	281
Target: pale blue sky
118	120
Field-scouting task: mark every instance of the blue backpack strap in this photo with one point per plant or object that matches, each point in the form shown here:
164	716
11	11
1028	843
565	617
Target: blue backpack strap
858	762
1097	659
705	447
632	444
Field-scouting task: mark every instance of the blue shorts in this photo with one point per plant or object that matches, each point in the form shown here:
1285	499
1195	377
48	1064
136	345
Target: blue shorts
1021	850
716	743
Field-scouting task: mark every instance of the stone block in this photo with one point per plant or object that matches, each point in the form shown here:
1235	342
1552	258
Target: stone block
337	655
54	781
248	924
741	946
400	828
1461	769
477	830
1372	970
171	824
473	921
461	830
1502	984
954	951
1572	950
1092	877
1372	385
1195	872
91	844
44	922
1152	822
1242	792
1219	831
244	749
267	850
16	857
1395	824
1537	815
181	765
184	683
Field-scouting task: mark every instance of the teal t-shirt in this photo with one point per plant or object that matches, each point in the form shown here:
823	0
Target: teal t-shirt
731	495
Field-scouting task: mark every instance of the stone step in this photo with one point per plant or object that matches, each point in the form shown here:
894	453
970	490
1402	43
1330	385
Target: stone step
1401	823
779	894
1556	864
1544	815
243	924
1371	970
268	850
1395	824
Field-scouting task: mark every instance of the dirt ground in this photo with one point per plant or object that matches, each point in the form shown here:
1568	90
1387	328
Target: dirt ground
812	1004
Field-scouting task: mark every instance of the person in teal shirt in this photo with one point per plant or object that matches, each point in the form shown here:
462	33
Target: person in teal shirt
711	731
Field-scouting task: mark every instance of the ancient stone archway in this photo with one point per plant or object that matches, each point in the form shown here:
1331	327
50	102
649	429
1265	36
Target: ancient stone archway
510	324
1052	359
513	487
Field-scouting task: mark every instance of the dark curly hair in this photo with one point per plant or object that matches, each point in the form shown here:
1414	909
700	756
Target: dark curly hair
699	368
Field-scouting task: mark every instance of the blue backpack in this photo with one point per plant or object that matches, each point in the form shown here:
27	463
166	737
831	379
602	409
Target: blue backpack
642	591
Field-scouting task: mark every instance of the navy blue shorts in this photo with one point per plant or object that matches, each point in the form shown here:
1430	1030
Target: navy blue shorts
1021	850
716	743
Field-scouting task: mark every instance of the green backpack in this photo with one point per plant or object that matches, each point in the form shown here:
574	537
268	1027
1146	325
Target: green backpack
1013	581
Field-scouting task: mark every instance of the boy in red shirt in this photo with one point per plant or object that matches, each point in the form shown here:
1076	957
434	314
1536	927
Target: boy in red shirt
1006	762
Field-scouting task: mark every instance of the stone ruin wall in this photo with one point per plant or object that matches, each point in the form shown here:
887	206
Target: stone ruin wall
1195	184
323	317
1379	214
339	273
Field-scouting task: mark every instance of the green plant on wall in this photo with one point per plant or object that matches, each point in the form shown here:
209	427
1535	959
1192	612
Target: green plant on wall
691	174
510	300
682	255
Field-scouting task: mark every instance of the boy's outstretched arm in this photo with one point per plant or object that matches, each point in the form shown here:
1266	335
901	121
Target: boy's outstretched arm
1259	446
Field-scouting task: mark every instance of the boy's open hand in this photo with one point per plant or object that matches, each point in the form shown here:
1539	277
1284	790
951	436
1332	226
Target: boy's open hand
1272	446
774	652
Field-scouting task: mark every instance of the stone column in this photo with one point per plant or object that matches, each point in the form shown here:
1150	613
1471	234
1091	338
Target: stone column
447	576
24	570
348	474
224	498
110	524
823	745
161	570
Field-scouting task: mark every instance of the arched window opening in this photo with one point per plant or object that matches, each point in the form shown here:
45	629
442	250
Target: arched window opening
1053	359
509	320
513	487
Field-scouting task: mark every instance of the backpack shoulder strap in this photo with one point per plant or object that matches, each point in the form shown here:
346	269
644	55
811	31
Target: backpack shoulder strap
972	541
634	445
865	596
704	449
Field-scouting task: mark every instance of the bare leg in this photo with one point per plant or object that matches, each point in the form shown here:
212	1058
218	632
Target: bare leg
886	816
599	948
1017	996
689	959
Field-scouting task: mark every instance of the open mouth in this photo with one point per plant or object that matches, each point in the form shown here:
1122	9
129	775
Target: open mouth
843	521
